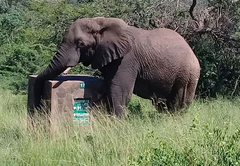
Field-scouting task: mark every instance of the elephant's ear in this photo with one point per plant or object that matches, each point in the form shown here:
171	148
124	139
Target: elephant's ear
113	42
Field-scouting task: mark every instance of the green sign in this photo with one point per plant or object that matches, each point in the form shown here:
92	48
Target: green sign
82	85
79	111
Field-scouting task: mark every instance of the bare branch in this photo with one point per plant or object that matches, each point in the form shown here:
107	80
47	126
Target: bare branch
192	8
236	84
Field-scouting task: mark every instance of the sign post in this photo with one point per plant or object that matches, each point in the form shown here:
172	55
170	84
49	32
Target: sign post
79	111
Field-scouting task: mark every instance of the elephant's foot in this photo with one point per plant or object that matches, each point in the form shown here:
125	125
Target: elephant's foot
120	111
159	104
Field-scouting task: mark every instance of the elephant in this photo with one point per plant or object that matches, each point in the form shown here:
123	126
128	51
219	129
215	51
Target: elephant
153	64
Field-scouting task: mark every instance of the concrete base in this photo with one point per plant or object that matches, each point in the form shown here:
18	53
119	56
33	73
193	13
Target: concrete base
59	95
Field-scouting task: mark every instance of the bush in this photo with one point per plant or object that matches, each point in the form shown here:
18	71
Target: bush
29	39
35	29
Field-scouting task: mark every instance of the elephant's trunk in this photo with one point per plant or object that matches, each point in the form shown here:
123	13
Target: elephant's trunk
56	67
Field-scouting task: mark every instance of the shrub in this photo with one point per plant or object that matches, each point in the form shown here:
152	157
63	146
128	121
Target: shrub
38	27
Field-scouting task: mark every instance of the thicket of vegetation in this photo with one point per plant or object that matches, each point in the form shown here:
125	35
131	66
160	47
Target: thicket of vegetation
30	32
208	134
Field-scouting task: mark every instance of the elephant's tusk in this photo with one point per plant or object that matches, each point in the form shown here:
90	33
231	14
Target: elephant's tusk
66	71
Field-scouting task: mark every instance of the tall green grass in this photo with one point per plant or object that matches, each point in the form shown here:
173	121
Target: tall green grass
207	134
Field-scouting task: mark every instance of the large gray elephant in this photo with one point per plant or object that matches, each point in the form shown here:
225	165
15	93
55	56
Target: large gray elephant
153	64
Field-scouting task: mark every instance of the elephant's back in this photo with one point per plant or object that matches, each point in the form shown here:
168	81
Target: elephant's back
169	42
162	43
169	48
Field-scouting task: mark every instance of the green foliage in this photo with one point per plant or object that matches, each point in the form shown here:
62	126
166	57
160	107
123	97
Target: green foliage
35	29
29	37
218	51
209	60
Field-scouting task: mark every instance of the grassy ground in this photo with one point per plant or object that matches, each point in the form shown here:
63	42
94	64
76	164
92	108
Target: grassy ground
207	134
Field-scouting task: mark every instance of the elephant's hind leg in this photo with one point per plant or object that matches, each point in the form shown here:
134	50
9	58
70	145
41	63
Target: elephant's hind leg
182	97
190	92
177	99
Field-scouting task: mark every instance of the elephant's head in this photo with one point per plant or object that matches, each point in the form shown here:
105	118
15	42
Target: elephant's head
96	41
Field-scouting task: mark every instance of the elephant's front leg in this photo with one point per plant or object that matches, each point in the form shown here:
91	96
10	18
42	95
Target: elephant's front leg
119	96
120	90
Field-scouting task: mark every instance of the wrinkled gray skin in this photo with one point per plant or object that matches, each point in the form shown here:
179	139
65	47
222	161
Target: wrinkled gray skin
154	64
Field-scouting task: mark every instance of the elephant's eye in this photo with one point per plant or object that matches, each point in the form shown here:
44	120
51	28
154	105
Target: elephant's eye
80	43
